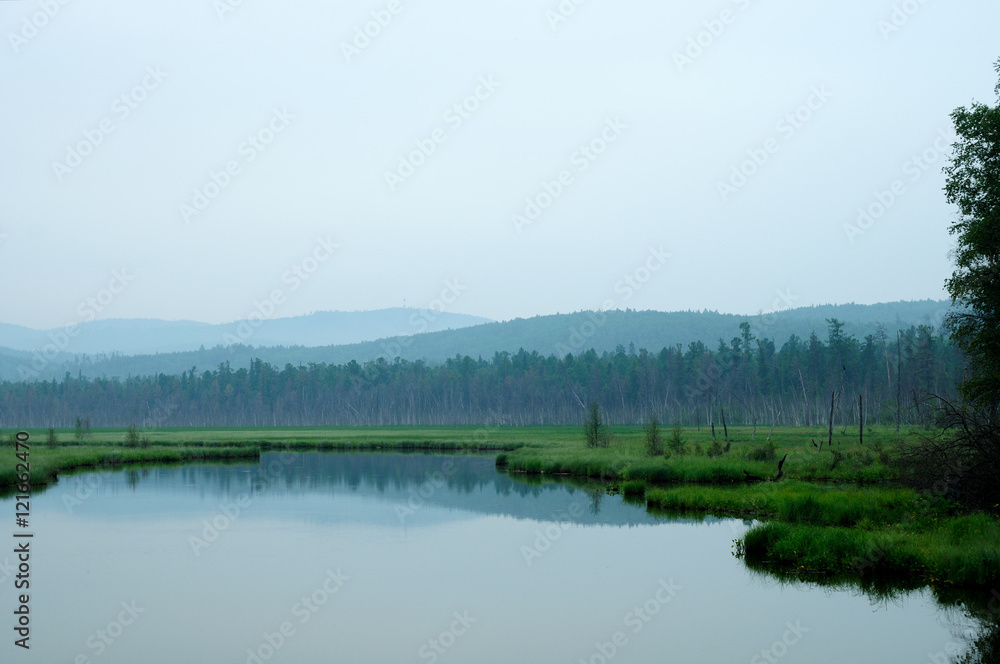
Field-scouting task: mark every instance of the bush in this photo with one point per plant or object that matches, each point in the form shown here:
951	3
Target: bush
676	442
962	463
132	436
766	452
715	449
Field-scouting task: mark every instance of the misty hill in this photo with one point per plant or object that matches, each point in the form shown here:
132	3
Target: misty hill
558	334
147	336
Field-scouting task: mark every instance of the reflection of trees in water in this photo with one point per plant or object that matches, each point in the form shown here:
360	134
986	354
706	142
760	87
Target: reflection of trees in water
595	502
973	615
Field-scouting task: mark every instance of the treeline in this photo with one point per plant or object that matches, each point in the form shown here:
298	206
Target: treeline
751	379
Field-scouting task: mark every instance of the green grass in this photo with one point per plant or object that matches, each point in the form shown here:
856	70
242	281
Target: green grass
794	502
834	507
961	550
46	464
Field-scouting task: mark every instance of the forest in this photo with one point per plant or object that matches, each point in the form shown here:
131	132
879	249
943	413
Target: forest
747	380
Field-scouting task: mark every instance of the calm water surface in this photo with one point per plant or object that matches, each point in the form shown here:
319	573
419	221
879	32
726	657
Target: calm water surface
413	558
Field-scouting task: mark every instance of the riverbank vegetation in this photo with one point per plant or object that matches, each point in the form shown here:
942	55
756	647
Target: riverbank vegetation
839	509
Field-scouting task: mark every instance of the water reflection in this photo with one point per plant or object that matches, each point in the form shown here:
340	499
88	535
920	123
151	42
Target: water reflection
411	552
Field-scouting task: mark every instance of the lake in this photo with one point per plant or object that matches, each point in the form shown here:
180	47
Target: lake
362	558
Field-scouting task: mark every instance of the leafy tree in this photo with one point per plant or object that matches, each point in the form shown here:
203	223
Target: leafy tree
676	442
51	440
594	429
973	184
78	433
654	442
132	438
963	462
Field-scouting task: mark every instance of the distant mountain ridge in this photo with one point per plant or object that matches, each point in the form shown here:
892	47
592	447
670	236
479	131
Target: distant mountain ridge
139	336
557	334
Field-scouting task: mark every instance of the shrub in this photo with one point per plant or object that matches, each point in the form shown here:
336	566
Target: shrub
766	452
676	441
132	436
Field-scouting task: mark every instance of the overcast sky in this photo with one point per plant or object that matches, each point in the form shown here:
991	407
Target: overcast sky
186	160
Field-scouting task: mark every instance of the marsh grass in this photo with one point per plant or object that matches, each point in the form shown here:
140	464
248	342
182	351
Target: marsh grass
46	463
832	514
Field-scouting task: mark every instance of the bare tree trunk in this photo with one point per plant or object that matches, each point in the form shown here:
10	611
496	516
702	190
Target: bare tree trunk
772	426
861	420
805	399
899	384
829	440
725	429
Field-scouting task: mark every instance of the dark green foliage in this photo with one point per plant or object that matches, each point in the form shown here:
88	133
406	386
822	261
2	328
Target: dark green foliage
595	431
714	449
765	452
676	441
132	438
962	463
634	488
51	440
973	184
654	441
524	387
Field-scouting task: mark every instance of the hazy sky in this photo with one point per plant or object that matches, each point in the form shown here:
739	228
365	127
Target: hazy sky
188	159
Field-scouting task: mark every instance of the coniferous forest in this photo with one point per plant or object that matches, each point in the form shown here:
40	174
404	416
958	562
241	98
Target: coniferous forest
748	380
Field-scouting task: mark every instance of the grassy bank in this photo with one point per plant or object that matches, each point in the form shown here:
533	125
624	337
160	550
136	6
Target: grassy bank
104	448
46	464
836	511
697	462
